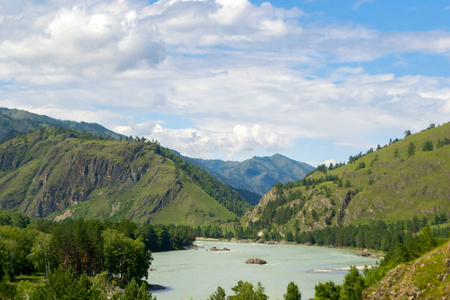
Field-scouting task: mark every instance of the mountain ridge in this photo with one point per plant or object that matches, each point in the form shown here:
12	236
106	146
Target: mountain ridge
257	174
15	121
55	171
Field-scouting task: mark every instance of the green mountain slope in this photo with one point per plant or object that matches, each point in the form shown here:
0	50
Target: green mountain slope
426	278
53	172
388	184
258	174
14	121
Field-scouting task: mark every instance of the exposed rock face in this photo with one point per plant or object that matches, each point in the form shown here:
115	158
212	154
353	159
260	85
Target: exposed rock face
68	176
46	172
251	214
256	261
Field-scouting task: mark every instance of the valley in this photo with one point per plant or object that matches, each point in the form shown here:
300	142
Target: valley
394	199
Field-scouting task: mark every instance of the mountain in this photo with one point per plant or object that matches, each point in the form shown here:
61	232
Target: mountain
256	175
408	178
55	172
14	122
426	278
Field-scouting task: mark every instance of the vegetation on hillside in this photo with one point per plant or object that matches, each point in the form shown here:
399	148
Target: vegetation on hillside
212	186
427	277
51	169
389	183
355	284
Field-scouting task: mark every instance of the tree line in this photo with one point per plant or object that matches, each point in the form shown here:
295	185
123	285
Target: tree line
121	251
377	235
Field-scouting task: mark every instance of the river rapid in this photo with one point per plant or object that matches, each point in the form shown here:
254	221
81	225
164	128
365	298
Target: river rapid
196	274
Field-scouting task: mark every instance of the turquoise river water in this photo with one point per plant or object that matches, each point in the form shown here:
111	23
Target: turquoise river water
196	274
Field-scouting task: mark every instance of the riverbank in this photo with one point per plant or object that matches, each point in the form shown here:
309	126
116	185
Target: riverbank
372	253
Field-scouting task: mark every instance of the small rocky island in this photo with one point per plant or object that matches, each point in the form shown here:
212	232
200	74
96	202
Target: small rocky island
256	261
217	249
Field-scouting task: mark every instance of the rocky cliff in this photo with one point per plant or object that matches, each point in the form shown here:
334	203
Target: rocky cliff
49	174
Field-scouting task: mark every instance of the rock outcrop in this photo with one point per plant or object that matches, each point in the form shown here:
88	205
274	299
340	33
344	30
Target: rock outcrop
256	261
364	253
217	249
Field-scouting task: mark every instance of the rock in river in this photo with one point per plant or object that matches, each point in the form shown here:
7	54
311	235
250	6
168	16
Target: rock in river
216	249
256	261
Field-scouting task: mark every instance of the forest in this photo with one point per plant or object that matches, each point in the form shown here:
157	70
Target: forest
92	257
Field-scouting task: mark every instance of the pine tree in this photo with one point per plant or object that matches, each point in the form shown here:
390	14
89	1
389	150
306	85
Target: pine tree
411	149
353	285
293	293
328	290
218	295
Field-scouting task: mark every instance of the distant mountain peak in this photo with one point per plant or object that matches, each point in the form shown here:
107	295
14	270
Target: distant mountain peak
257	174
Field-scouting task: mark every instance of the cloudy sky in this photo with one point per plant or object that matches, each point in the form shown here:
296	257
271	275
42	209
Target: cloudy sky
315	80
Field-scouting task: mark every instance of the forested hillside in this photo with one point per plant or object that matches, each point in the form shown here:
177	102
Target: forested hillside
58	173
405	179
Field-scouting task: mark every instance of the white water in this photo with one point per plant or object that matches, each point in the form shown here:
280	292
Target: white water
196	274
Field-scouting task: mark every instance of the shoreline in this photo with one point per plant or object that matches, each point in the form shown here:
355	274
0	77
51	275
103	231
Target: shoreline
374	253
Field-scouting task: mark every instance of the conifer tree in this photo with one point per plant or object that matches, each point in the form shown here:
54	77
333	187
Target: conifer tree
293	293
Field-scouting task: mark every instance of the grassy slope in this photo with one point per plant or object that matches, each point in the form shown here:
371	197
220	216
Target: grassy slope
100	179
403	186
389	187
426	278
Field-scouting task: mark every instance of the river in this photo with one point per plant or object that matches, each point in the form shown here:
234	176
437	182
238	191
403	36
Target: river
196	274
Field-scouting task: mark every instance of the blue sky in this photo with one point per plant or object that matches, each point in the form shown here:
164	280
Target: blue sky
315	80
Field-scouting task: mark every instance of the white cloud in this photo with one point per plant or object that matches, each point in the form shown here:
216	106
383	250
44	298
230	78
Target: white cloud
245	77
328	162
90	41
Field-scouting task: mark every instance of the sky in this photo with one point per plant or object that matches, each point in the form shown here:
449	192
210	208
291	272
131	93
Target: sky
315	80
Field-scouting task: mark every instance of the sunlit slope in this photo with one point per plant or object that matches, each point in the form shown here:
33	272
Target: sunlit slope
47	173
426	278
387	184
